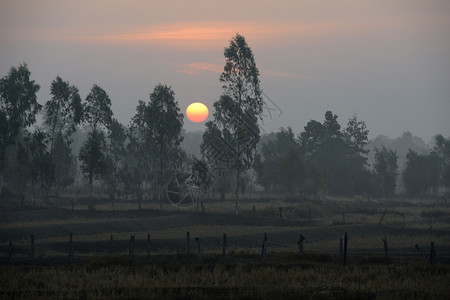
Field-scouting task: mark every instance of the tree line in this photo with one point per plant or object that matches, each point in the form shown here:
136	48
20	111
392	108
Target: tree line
326	158
40	158
139	160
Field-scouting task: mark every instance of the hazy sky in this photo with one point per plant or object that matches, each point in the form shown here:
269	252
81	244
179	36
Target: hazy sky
387	61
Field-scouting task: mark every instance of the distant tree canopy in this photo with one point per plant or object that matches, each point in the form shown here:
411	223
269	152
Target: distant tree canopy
62	114
421	175
426	173
284	168
386	171
97	111
97	114
156	138
18	109
324	157
18	104
340	154
114	157
442	150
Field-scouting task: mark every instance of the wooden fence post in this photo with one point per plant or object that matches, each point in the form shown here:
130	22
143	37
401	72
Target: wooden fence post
301	238
224	244
345	249
188	242
203	208
199	256
110	245
10	252
341	240
131	250
385	247
70	249
32	245
264	246
149	244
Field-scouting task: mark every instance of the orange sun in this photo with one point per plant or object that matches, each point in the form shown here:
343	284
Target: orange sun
197	112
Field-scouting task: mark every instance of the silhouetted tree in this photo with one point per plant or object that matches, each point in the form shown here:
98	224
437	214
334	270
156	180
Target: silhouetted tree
98	115
282	167
421	175
218	155
285	167
157	136
237	111
18	108
356	135
138	162
18	102
63	113
386	170
356	139
325	144
114	158
93	160
340	154
442	150
39	158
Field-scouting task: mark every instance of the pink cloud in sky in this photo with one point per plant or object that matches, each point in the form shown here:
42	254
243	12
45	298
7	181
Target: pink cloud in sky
196	68
194	33
204	35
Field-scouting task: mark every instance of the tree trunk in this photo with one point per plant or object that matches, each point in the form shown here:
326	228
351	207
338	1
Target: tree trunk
90	192
44	197
1	186
111	197
237	194
238	172
34	193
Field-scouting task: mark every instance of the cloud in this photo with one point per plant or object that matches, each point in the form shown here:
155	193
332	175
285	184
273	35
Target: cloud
197	67
193	33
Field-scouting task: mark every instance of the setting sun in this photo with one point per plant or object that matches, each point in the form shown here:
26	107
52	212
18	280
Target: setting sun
197	112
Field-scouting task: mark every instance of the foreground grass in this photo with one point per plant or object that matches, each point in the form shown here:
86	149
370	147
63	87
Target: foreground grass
237	277
168	274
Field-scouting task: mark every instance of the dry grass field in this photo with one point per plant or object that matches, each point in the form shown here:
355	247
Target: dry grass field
170	273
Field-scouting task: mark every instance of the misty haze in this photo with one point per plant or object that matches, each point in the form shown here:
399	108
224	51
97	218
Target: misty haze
235	150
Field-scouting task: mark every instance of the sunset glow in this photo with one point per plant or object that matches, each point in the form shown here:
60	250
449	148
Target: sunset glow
210	33
197	112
